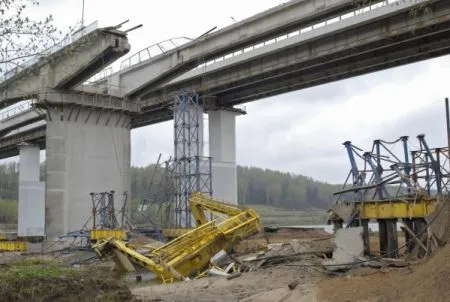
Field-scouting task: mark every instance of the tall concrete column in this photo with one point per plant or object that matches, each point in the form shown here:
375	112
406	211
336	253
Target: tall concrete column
31	211
222	149
88	150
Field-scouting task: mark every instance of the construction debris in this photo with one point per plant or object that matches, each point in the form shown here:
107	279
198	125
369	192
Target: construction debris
172	261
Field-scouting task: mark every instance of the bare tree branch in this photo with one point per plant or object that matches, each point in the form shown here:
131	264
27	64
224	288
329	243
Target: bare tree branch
20	37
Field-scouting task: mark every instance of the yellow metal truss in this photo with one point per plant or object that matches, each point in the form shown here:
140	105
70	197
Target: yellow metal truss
191	252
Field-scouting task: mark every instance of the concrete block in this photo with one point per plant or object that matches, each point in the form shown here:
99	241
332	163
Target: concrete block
34	247
348	247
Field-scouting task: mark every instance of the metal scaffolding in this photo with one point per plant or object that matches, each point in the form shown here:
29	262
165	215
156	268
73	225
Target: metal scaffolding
190	170
382	174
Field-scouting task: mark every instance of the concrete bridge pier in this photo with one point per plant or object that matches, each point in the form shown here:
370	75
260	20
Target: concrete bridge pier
222	149
31	212
88	150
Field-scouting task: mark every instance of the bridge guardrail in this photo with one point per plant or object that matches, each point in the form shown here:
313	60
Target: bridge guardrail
101	75
159	49
16	110
66	41
356	12
153	51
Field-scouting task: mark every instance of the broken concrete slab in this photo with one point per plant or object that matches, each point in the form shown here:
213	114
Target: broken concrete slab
348	248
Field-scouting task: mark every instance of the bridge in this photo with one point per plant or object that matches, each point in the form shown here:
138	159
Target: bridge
299	44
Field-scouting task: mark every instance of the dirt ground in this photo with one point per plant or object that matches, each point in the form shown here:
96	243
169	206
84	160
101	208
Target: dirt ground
262	284
269	284
426	281
55	280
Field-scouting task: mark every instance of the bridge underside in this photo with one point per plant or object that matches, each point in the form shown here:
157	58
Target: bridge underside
391	52
368	48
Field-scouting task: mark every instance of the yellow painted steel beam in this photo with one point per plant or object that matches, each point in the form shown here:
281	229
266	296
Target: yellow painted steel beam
13	246
190	253
387	209
99	234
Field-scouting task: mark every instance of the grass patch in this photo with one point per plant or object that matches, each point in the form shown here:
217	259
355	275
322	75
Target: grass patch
37	279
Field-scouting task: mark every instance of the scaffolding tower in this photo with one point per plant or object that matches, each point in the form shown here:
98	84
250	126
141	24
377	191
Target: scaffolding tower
190	170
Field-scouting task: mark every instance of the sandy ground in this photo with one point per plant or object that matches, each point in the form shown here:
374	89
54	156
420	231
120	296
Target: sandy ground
264	284
425	281
270	284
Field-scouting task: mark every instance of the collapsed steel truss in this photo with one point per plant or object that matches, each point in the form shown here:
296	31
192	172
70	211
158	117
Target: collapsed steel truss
382	174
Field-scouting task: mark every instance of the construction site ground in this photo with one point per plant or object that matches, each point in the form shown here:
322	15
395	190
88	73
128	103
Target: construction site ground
55	278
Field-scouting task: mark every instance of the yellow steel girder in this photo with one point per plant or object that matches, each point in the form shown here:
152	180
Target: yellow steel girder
13	246
387	209
98	234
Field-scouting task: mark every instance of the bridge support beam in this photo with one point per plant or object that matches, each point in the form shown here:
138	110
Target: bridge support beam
88	150
31	212
222	150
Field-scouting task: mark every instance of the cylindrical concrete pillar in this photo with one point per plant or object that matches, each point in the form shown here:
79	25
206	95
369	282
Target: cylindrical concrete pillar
222	150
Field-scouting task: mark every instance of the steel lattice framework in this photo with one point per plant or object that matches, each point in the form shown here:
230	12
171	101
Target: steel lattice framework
190	170
381	174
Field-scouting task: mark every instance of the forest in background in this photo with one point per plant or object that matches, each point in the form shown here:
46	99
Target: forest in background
262	188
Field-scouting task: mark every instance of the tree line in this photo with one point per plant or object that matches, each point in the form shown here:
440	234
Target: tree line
255	186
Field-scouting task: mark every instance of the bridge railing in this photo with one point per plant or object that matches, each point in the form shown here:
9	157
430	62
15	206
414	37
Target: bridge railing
101	75
161	48
10	112
152	51
361	10
63	43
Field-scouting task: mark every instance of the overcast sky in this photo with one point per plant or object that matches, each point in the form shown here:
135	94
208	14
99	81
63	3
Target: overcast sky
300	132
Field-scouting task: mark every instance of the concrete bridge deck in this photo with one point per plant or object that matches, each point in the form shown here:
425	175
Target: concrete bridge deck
147	75
65	68
377	38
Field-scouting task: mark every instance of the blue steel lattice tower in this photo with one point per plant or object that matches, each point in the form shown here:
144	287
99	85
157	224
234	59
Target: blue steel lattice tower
191	171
